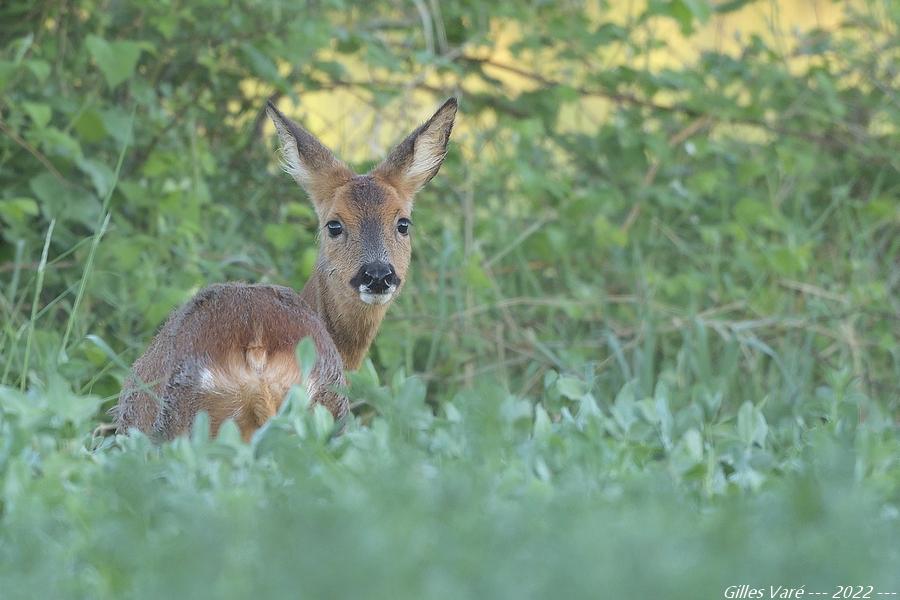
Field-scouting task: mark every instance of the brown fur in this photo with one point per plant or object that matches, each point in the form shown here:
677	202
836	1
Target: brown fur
230	350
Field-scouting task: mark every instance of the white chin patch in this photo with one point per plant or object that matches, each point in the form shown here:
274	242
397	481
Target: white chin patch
370	298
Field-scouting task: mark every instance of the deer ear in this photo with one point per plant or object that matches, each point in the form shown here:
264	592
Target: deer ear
306	159
418	158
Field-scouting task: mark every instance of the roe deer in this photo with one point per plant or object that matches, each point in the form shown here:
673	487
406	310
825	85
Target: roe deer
230	350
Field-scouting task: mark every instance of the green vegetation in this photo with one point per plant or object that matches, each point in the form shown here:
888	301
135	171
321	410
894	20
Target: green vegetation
649	348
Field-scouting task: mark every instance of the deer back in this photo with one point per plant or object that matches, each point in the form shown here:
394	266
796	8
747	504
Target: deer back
229	352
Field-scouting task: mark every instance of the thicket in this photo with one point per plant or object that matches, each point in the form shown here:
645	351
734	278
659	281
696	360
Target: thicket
649	347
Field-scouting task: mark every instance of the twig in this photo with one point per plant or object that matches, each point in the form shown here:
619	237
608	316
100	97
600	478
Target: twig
524	235
620	97
34	152
650	176
812	290
828	141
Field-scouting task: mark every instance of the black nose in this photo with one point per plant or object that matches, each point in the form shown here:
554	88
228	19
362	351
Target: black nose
377	277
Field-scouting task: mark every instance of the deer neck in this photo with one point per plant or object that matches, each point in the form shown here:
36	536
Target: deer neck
351	323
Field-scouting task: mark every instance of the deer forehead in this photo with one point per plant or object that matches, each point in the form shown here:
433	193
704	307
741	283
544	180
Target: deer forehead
366	198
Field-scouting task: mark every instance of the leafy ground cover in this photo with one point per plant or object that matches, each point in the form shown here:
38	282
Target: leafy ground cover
650	345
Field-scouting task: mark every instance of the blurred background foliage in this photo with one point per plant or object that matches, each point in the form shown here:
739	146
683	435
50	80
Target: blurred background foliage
661	259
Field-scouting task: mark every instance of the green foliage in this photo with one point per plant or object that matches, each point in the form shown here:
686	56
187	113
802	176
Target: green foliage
653	307
490	496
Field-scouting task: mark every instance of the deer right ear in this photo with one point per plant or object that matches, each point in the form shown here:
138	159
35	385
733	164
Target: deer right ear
307	160
418	158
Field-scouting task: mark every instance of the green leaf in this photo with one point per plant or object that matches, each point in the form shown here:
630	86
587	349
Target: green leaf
322	422
67	407
229	434
116	60
700	9
61	202
102	177
607	234
542	424
683	14
683	11
58	142
89	126
117	123
262	65
608	33
570	387
39	68
17	210
624	409
40	113
731	5
688	452
166	23
306	356
7	70
751	425
334	69
475	274
201	428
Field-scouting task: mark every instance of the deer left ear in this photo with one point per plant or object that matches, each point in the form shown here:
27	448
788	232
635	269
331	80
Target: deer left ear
418	158
307	160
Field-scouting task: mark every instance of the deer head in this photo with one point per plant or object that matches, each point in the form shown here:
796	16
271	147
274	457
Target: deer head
364	220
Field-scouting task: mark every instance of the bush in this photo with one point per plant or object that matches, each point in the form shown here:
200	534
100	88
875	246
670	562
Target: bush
653	315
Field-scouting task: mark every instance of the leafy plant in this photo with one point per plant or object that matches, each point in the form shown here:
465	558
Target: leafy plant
649	348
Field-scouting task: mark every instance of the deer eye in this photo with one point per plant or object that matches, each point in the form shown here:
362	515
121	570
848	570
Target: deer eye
403	226
334	228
